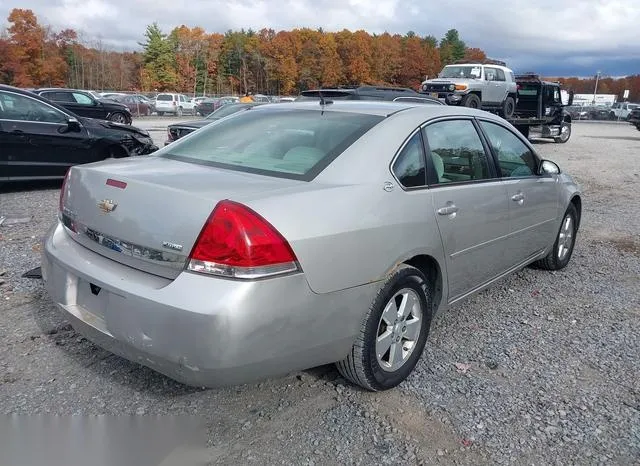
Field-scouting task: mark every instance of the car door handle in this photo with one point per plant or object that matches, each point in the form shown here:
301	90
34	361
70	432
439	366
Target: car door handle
448	210
519	198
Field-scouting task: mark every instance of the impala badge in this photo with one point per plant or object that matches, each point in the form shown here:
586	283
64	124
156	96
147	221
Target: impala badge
107	206
174	246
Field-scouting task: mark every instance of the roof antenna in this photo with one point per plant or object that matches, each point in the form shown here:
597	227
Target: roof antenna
323	101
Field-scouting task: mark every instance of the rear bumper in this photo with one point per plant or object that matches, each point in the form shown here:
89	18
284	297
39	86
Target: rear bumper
200	330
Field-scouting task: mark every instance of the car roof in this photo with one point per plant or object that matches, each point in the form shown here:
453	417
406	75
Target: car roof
379	108
43	89
36	96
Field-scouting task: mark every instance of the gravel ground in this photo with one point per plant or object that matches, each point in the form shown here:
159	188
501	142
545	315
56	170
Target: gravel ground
540	369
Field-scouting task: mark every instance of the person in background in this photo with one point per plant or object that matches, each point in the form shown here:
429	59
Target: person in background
248	97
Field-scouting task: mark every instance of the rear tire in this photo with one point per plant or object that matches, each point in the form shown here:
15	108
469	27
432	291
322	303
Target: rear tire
160	113
508	107
370	363
179	112
560	254
471	101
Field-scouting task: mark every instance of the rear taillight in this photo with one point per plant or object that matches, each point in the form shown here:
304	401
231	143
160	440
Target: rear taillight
236	242
63	191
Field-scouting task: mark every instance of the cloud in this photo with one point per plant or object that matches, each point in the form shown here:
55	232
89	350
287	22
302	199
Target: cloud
575	36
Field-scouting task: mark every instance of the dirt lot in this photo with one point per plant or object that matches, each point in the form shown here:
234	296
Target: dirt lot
541	369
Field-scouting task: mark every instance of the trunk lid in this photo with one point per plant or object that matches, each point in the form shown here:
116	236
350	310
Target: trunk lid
153	222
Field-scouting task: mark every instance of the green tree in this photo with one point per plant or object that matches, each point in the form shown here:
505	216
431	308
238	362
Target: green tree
452	48
159	60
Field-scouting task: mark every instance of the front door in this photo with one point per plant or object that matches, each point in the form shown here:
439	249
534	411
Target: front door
38	140
533	198
470	204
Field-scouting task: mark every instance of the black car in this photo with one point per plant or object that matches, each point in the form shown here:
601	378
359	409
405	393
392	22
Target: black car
84	104
400	94
41	140
211	104
634	118
177	130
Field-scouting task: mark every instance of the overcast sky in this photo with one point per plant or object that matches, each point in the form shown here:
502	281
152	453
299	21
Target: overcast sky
555	38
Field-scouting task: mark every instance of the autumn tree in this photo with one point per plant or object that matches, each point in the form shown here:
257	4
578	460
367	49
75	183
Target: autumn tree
355	50
386	55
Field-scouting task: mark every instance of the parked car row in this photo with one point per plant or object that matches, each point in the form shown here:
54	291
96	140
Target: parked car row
41	139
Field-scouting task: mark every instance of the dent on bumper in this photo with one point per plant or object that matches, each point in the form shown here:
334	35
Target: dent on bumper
201	330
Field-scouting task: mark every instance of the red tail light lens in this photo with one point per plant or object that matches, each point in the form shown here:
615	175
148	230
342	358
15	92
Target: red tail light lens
63	191
237	242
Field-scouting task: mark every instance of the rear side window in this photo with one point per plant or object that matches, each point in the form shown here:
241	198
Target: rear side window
409	168
296	144
166	97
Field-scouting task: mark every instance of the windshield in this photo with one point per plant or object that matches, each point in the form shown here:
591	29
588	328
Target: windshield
633	106
289	143
467	72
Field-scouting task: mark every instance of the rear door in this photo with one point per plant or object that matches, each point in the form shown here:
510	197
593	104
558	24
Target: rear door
35	139
533	199
470	204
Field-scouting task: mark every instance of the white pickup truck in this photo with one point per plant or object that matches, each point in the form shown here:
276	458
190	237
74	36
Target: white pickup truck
621	110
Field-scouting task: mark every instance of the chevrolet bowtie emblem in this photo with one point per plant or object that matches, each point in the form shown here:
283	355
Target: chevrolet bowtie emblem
107	206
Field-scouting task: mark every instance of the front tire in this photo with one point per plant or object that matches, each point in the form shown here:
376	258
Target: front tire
565	133
560	254
471	101
118	117
393	334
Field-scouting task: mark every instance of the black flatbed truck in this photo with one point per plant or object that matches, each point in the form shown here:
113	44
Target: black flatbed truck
540	110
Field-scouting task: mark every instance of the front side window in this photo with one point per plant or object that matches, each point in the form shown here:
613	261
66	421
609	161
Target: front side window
409	168
23	108
296	144
456	152
515	159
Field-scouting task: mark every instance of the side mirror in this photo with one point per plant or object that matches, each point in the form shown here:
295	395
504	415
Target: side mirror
570	100
73	124
547	167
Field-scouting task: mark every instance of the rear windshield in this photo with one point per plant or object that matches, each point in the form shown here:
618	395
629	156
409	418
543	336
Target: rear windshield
164	97
288	143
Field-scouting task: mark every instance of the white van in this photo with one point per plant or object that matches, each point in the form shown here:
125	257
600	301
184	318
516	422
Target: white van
175	104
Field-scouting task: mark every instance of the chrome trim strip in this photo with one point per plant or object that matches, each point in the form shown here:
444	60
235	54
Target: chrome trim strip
111	244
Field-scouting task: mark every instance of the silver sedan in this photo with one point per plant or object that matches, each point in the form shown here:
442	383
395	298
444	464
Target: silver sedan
299	234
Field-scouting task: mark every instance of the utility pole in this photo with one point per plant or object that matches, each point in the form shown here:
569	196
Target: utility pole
595	89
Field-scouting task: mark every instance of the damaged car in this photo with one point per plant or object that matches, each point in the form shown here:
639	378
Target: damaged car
41	140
